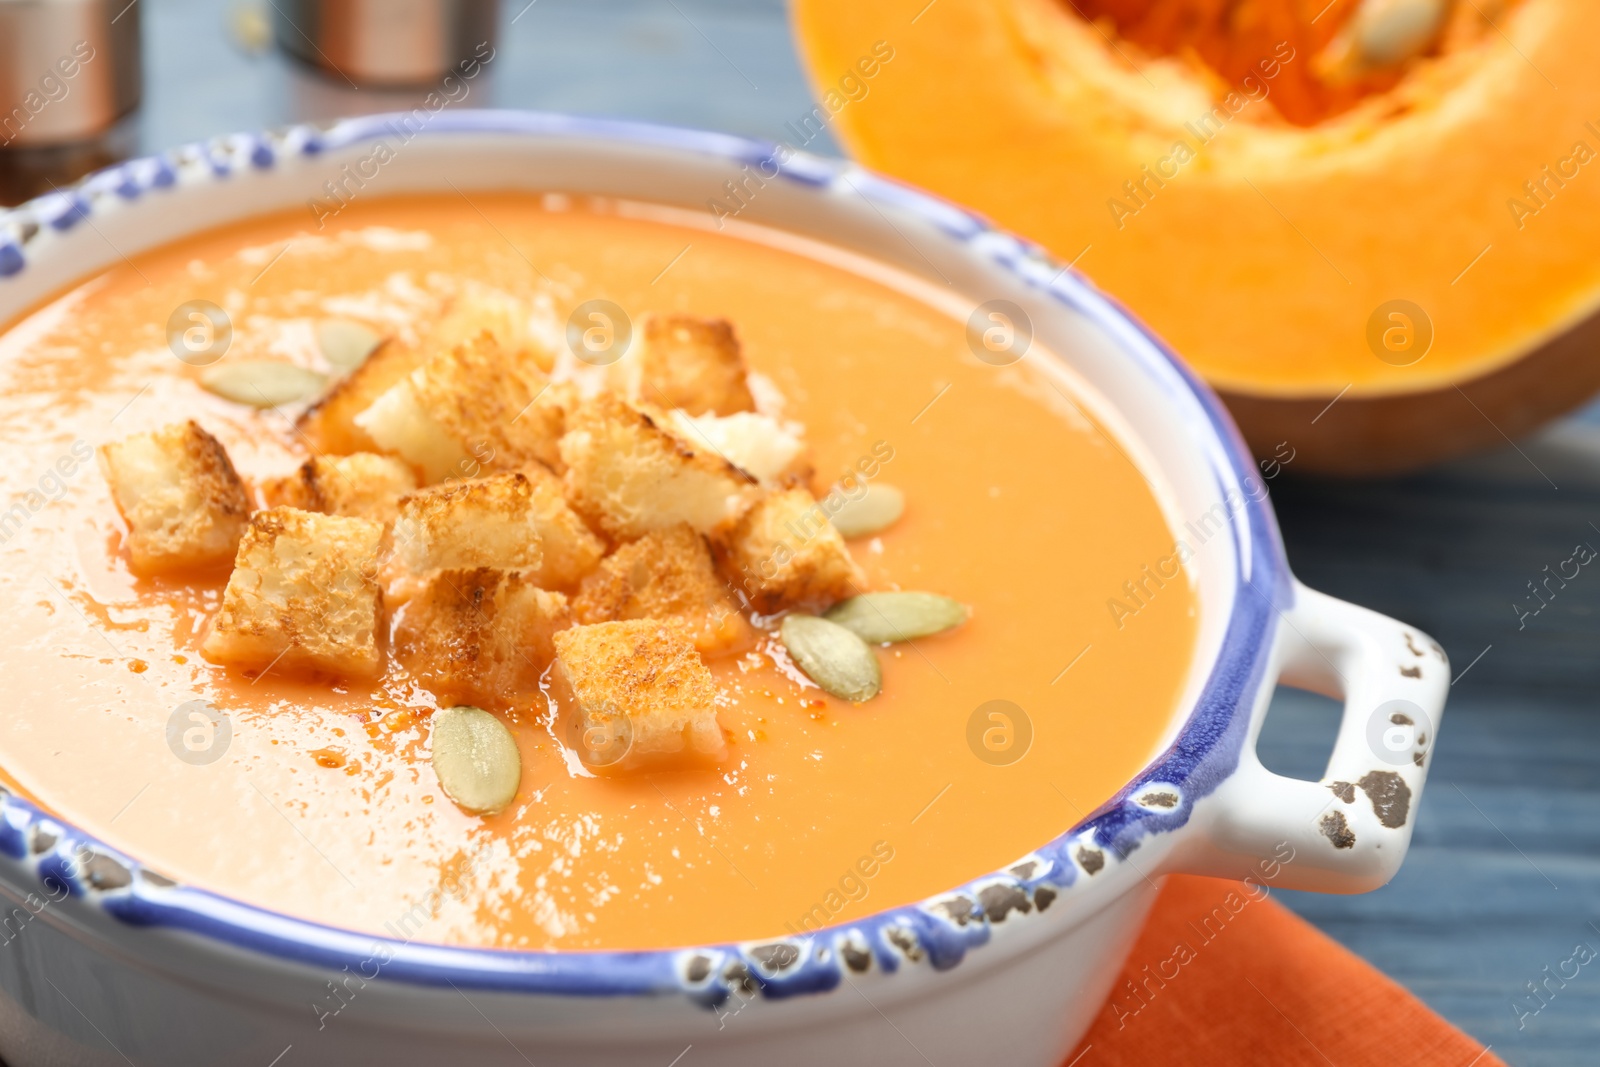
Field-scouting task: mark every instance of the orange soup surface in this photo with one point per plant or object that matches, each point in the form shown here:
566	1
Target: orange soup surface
317	799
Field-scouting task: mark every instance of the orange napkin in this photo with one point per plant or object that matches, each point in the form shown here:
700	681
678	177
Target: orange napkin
1259	985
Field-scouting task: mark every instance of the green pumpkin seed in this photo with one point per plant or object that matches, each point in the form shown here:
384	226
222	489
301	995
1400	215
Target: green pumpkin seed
876	509
878	618
833	657
345	344
476	759
262	383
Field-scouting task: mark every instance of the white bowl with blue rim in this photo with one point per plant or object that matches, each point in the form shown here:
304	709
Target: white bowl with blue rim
123	965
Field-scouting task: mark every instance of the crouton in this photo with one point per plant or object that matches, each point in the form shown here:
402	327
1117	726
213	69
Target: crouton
479	308
303	596
549	411
484	522
180	496
638	686
628	476
330	425
480	636
571	551
365	485
756	444
685	362
665	574
471	408
784	553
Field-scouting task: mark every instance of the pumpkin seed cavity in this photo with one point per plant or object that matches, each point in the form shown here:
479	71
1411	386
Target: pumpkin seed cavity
873	511
262	383
345	344
476	759
832	656
881	618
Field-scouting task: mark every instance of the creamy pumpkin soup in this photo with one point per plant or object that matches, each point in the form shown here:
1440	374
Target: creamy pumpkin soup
535	572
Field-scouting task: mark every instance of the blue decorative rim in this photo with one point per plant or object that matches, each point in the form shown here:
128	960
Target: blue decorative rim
943	927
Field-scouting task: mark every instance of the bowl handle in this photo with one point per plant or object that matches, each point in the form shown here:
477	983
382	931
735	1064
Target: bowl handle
1348	832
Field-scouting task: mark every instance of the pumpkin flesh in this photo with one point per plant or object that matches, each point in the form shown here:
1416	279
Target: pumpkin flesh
1214	166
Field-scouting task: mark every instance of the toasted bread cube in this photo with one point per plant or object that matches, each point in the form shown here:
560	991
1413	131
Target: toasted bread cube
484	522
666	574
628	476
757	444
685	362
303	596
784	553
571	551
180	496
549	413
465	410
330	423
480	636
640	682
479	308
364	484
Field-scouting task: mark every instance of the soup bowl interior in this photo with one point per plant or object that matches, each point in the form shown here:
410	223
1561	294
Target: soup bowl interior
1163	420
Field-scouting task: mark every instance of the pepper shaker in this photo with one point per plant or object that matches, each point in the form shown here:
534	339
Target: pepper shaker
70	74
386	43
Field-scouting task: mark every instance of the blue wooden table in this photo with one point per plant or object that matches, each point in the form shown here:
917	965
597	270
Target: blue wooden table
1503	880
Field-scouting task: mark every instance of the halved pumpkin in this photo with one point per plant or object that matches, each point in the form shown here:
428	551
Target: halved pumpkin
1379	240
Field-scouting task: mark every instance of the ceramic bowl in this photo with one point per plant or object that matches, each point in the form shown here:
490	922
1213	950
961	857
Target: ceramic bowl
105	962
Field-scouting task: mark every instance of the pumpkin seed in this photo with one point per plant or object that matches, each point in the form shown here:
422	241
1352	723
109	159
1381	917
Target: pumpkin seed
262	383
833	657
878	618
1389	32
876	509
476	759
345	344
